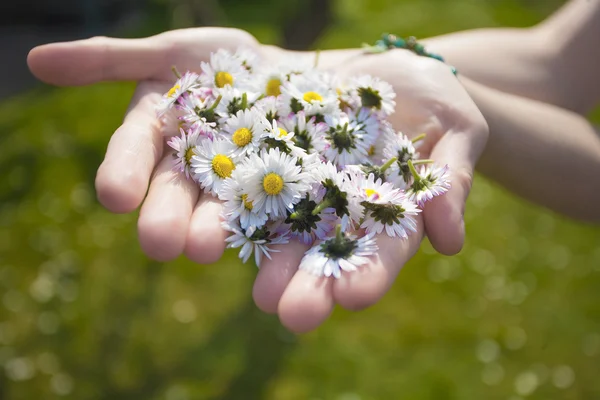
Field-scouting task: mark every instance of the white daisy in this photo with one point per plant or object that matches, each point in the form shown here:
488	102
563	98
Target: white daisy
198	108
189	80
251	240
308	135
184	150
213	162
233	100
222	70
270	107
306	225
309	94
400	147
245	130
375	94
276	182
347	142
270	81
386	135
236	200
248	58
431	181
386	207
341	252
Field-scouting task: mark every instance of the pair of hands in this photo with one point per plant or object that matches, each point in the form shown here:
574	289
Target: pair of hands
177	218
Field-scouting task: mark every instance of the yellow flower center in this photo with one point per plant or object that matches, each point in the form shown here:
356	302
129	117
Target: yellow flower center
273	184
273	87
173	90
247	204
371	150
222	166
309	97
372	194
223	78
189	153
242	137
282	132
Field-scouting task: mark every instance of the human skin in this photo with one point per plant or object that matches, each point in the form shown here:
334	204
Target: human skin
176	218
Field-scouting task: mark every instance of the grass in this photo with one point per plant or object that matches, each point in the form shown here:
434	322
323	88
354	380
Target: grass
85	315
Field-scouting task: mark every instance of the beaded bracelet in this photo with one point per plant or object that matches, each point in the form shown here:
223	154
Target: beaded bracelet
389	41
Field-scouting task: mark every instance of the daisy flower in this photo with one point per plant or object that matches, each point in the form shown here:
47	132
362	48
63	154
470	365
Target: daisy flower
375	94
234	100
306	225
330	187
236	204
276	182
341	252
430	182
269	82
188	81
245	129
213	162
223	70
386	207
346	141
248	58
199	110
308	135
310	94
402	148
270	106
184	150
252	240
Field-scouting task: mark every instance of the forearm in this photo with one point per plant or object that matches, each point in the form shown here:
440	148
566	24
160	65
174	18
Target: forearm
546	154
555	62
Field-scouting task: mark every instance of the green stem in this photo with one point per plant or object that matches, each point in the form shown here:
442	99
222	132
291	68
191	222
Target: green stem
418	137
424	161
294	215
244	101
216	103
388	164
413	171
177	74
317	55
339	236
322	205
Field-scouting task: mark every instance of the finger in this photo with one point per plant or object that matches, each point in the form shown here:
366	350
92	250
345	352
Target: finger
366	286
132	153
205	242
87	61
306	303
165	216
275	274
444	215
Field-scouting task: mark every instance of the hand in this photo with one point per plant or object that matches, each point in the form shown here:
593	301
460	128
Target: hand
176	218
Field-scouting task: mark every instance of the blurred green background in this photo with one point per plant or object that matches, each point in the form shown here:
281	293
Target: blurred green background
85	315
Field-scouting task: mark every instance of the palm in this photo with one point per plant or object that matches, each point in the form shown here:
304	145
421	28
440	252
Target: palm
176	218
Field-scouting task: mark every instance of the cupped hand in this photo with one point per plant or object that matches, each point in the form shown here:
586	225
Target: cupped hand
176	218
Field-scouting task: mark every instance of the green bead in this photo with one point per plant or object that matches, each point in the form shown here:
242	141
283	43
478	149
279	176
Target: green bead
400	43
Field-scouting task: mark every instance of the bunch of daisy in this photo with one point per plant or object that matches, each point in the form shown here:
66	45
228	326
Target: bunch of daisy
296	154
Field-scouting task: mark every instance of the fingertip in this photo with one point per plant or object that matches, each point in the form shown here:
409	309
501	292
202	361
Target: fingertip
360	289
444	218
203	248
275	275
120	191
306	303
162	235
205	240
